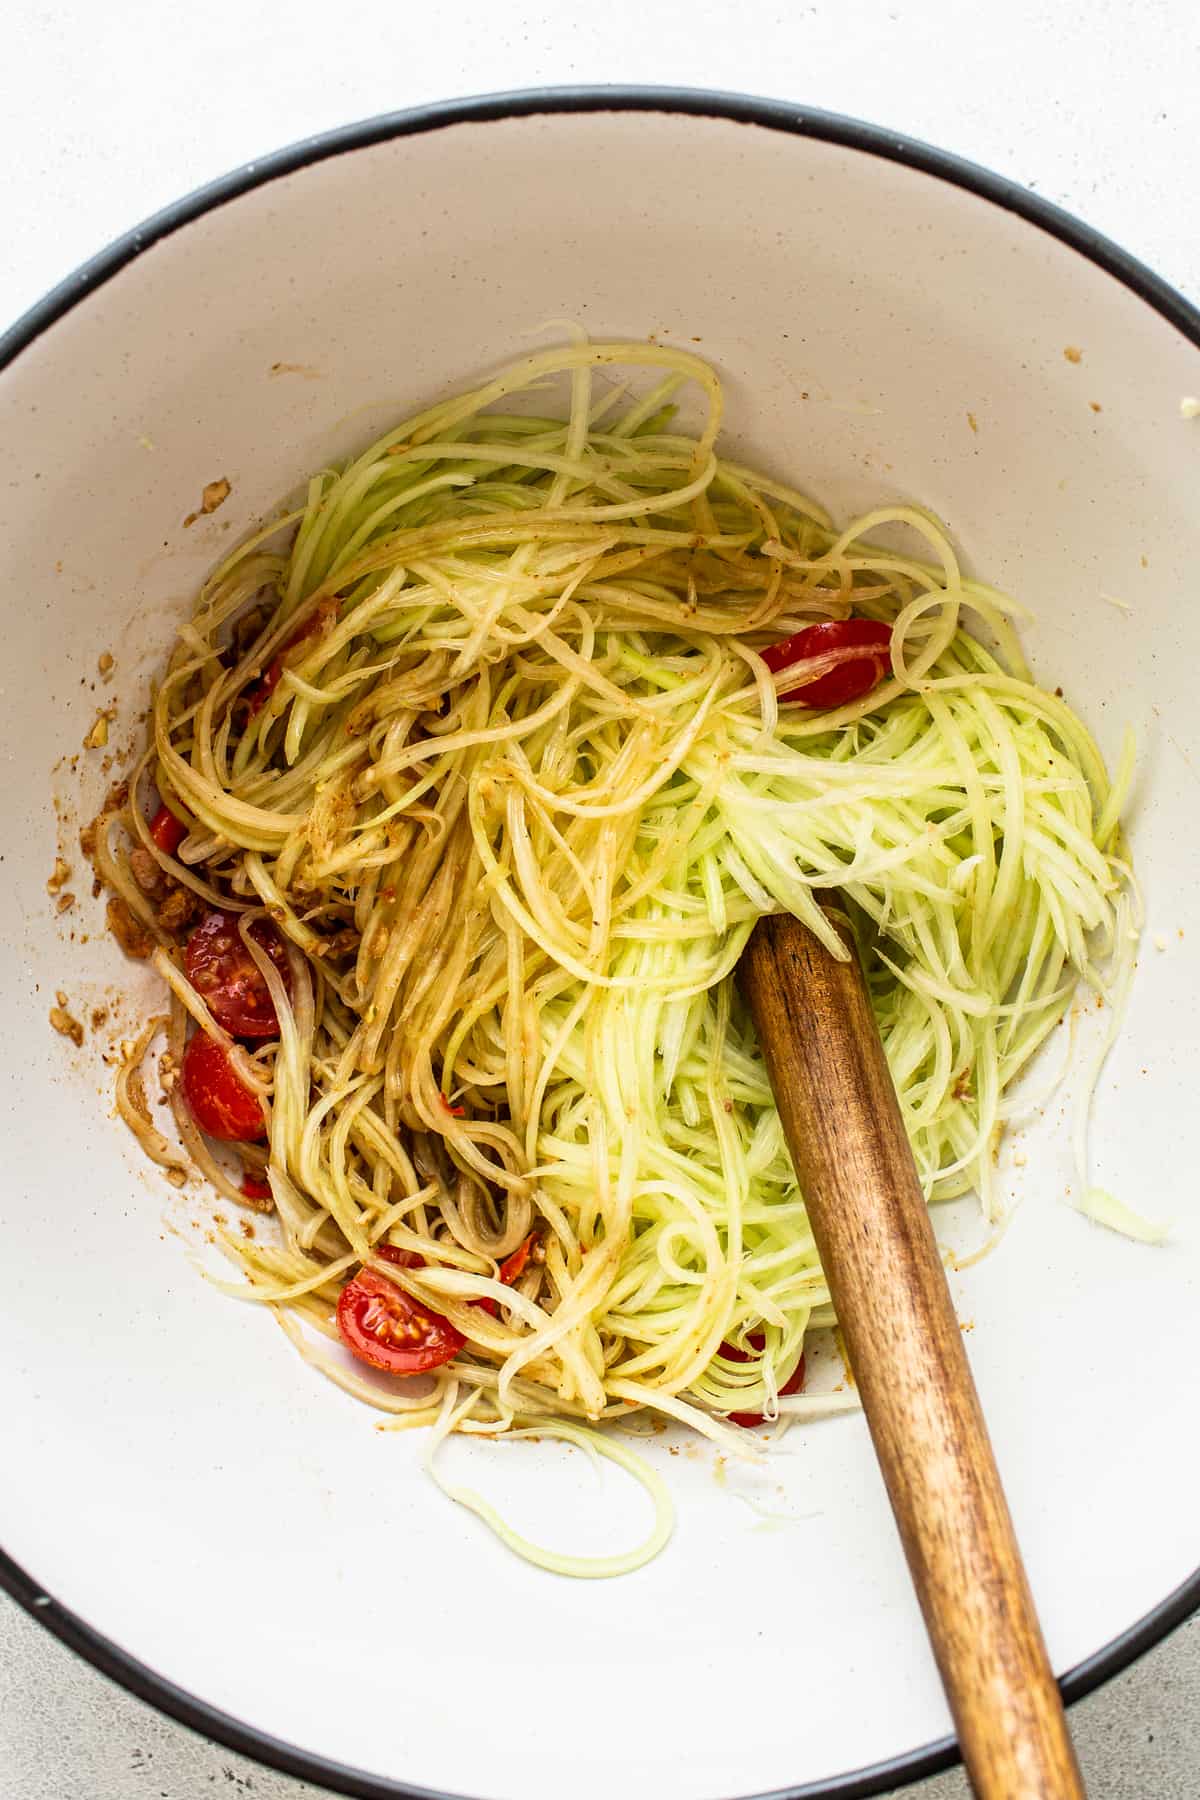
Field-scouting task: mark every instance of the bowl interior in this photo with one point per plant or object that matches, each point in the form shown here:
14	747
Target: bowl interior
185	1484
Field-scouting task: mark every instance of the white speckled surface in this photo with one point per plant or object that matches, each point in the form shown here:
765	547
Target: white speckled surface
101	120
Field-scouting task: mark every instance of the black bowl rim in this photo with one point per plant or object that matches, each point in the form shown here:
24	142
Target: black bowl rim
773	115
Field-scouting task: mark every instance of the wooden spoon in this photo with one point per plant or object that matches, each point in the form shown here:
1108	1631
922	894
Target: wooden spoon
872	1229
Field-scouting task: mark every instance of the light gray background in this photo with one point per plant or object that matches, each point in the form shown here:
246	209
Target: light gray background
109	111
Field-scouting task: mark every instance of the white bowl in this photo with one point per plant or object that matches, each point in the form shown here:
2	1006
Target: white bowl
202	1516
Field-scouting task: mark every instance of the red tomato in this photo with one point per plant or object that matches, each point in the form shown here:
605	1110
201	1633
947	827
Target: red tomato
387	1328
254	1187
317	626
218	1100
792	1385
850	680
513	1267
511	1271
225	975
258	695
167	831
403	1259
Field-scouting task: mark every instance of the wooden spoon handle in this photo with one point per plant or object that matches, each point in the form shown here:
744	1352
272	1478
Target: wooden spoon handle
872	1228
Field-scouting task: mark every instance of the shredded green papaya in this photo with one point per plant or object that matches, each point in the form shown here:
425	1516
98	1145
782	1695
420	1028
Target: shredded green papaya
482	725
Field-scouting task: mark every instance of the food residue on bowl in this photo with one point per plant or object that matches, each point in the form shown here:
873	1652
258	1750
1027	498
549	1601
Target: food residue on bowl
97	736
64	1021
60	876
215	494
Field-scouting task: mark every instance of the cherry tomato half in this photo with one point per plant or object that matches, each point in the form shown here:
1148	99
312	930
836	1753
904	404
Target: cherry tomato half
511	1271
317	626
792	1385
261	692
217	1098
851	679
403	1259
225	975
253	1187
167	831
387	1328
